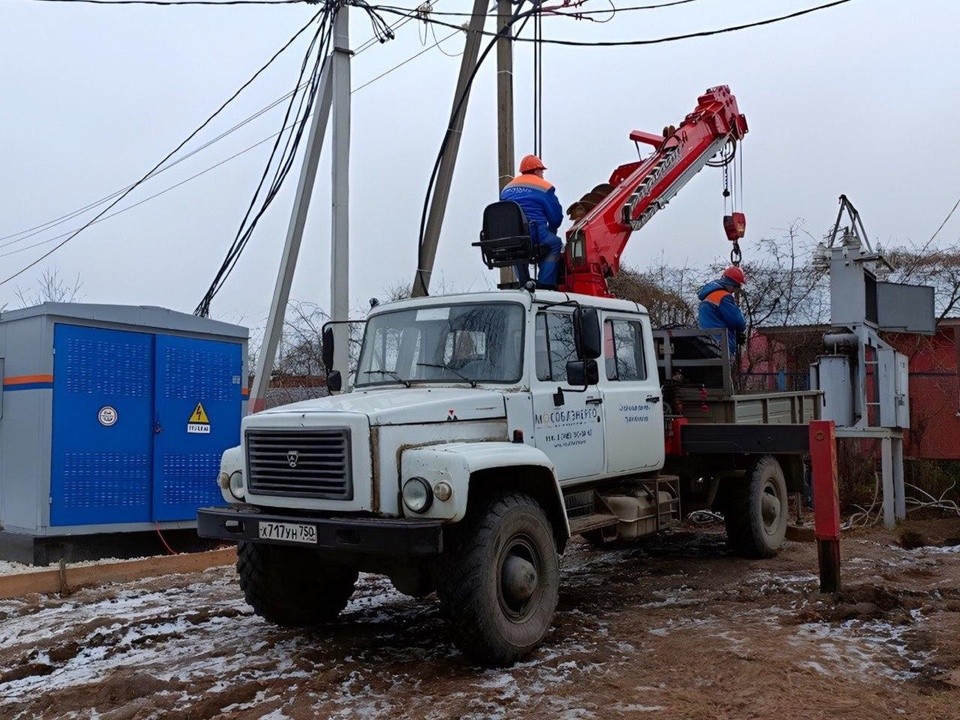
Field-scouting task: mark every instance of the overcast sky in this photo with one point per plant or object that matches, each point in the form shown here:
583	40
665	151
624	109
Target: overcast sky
861	99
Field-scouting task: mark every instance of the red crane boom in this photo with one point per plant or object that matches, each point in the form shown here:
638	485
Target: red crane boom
639	189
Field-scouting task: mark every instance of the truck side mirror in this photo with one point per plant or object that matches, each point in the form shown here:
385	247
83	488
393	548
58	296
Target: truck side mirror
586	331
327	348
334	381
583	372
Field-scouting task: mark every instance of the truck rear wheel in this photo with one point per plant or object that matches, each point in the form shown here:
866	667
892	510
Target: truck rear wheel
755	511
292	586
500	580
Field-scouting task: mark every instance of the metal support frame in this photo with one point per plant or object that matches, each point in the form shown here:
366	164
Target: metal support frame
441	194
291	247
891	468
855	317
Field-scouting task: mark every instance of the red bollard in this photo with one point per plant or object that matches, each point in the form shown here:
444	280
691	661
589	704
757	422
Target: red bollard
826	502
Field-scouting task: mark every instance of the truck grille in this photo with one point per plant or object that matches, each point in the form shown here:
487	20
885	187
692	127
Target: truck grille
311	464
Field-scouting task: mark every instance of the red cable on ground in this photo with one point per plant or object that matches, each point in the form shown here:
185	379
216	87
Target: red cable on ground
170	550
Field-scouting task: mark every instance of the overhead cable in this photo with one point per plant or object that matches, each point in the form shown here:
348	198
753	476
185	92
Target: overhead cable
299	100
201	173
655	41
151	197
946	219
518	15
189	137
563	9
172	3
37	229
319	50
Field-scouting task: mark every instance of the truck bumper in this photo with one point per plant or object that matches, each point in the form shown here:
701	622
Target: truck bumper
373	536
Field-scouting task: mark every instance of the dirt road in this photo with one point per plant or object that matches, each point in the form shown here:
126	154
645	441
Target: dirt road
673	628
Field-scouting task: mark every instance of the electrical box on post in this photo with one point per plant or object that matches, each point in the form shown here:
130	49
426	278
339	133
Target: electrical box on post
906	308
894	382
832	375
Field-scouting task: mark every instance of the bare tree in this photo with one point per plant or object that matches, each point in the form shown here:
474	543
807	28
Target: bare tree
930	266
783	288
668	293
301	345
51	287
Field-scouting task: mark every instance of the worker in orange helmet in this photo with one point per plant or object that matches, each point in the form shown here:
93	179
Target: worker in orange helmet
719	309
538	200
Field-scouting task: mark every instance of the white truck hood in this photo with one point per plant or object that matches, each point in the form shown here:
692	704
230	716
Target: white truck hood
407	405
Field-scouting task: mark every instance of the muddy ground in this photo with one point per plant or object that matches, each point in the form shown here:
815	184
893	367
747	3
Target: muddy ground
672	628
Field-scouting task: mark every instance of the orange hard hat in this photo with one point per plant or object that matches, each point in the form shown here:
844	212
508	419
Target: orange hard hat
736	274
531	163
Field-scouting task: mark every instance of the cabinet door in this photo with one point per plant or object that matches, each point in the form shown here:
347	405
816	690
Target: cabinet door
198	409
102	426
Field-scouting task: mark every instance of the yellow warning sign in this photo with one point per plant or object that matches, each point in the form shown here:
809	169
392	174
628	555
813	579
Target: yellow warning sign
199	415
199	423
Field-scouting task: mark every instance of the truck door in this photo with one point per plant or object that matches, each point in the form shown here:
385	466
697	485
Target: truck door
570	434
632	400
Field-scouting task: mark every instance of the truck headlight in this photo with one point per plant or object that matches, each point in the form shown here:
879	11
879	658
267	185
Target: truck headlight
236	485
417	495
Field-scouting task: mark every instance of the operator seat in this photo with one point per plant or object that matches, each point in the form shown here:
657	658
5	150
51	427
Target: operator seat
505	239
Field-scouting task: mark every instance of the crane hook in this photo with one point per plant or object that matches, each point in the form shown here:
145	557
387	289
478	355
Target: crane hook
735	255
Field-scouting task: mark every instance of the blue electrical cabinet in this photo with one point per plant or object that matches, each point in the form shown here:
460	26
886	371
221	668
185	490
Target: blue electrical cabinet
114	418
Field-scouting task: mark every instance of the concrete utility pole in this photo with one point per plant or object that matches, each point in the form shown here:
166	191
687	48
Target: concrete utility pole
441	193
340	235
291	248
505	149
333	93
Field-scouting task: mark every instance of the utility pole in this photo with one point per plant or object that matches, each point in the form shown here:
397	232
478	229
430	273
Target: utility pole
333	94
291	247
340	235
505	149
441	193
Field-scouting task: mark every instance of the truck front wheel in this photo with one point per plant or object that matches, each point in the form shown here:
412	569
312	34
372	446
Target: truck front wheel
756	512
292	586
500	580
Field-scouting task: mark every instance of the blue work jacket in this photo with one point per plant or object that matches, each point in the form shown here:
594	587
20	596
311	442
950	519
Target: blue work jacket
539	202
718	309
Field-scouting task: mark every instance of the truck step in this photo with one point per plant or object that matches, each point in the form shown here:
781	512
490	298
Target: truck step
596	521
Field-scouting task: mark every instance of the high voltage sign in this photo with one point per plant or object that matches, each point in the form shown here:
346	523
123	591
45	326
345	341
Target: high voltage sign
199	422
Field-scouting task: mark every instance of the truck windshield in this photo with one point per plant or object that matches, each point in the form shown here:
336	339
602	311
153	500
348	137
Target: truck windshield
475	343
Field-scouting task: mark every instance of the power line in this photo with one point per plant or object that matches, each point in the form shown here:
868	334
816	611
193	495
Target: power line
559	10
949	215
399	65
151	197
248	225
171	3
202	172
306	104
169	155
655	41
518	14
37	229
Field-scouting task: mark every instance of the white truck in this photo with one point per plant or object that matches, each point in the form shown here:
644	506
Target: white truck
482	431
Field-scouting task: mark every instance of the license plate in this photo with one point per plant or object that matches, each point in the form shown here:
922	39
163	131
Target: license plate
291	532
